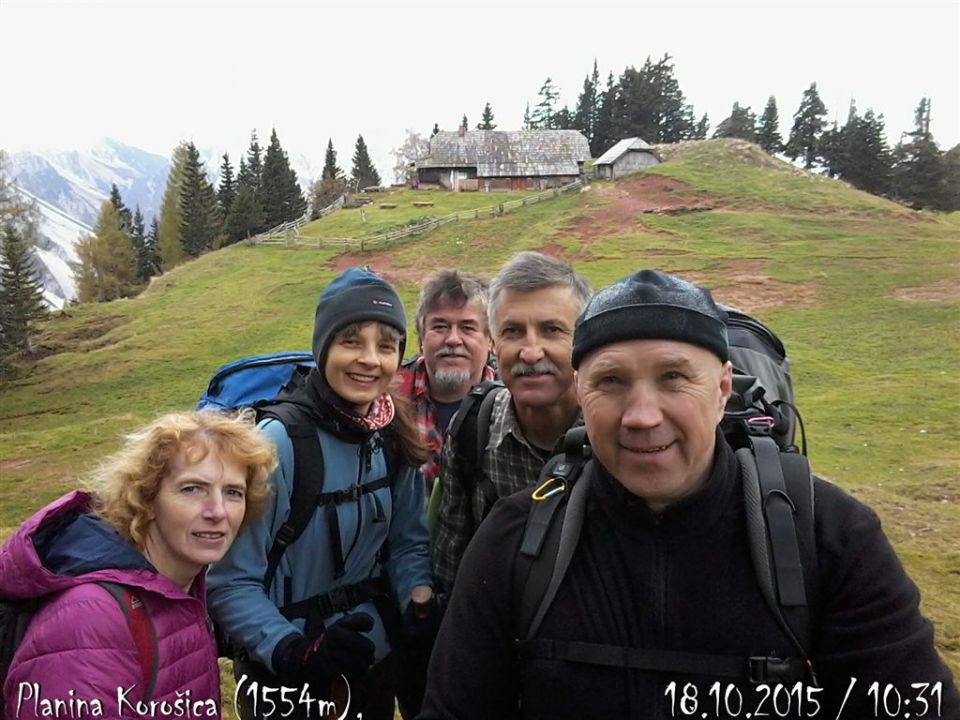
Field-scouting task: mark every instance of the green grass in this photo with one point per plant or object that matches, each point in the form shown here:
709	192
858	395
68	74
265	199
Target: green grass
864	296
348	223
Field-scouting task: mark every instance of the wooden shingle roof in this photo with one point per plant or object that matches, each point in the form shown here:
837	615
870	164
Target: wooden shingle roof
518	153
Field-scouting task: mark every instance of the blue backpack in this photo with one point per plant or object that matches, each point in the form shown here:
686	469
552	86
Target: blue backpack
254	380
263	382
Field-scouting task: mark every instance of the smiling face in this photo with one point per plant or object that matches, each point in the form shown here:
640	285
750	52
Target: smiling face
195	516
361	361
651	408
533	336
455	344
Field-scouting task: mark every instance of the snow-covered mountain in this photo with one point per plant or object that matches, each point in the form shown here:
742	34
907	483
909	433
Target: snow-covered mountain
77	182
56	253
70	185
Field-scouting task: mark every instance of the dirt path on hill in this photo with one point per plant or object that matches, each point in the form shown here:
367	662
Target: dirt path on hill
615	209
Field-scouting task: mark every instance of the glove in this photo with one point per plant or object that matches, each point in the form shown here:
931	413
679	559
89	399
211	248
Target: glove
420	624
340	650
418	631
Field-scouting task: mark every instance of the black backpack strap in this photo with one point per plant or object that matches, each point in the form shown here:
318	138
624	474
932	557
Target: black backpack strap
339	599
307	479
549	568
775	508
548	544
754	669
467	431
484	481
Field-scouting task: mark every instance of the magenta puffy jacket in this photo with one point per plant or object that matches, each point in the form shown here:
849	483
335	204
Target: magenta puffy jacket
78	649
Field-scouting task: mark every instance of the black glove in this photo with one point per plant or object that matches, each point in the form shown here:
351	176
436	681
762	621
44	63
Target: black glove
340	650
418	631
421	622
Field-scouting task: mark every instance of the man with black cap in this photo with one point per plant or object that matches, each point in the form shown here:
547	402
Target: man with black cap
661	576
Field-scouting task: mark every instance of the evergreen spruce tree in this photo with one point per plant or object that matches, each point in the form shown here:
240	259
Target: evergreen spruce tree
245	217
585	115
832	150
603	132
919	178
200	217
649	104
563	119
768	129
151	250
676	121
142	250
330	169
330	186
486	119
363	174
808	124
169	246
527	121
254	177
122	210
281	196
463	123
875	160
21	291
436	129
951	176
228	187
108	267
543	114
254	161
741	124
702	128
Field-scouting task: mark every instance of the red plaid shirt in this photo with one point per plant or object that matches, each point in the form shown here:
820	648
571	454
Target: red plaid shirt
412	383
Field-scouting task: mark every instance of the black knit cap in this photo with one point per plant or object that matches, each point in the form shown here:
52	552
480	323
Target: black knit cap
356	295
650	305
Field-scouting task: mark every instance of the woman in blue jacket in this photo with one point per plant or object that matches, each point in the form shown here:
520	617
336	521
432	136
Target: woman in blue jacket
321	625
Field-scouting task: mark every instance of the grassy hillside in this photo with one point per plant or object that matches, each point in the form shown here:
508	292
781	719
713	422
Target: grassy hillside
375	219
863	292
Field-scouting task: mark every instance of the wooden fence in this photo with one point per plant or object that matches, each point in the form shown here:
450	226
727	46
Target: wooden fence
290	236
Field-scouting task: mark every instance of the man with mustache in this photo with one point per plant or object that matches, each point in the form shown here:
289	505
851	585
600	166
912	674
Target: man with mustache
659	613
451	320
534	301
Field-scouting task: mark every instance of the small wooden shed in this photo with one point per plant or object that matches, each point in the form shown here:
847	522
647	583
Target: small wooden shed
625	157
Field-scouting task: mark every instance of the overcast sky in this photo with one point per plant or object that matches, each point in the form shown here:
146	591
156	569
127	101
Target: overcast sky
152	74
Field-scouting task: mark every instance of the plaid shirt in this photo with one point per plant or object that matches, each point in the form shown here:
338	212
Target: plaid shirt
413	384
510	462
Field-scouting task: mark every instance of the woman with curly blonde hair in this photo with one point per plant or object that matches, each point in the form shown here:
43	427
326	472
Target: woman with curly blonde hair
127	561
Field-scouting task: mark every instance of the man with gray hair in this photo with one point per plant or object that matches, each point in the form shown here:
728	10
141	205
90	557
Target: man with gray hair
534	302
451	320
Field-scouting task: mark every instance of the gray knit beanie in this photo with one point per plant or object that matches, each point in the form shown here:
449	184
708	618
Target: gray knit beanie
650	305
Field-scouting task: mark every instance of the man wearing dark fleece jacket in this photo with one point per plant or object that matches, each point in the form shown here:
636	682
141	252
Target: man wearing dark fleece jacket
663	561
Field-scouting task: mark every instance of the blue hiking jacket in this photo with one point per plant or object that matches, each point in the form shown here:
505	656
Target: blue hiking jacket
250	615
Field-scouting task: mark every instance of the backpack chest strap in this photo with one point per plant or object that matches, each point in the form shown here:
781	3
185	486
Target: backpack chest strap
340	599
755	669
